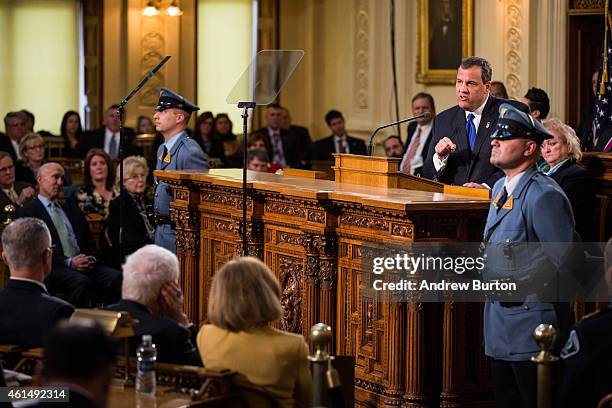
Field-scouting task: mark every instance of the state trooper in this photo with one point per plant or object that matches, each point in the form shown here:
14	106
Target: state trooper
528	212
178	152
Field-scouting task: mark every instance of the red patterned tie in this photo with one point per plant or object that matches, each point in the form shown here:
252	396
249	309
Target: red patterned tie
416	141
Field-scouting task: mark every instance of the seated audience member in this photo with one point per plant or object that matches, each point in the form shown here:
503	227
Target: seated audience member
32	152
498	89
538	102
393	146
138	229
258	141
15	127
72	133
151	294
244	300
585	127
210	143
562	154
232	147
94	196
419	135
30	119
338	141
586	360
27	311
301	131
285	147
76	273
11	191
144	125
257	160
107	137
81	357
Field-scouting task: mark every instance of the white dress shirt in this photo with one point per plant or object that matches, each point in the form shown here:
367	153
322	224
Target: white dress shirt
417	160
440	164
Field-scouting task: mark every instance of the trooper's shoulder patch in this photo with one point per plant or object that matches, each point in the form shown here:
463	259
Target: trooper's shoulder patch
572	346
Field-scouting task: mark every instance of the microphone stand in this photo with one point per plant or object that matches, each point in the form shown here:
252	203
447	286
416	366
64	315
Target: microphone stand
423	115
245	123
121	110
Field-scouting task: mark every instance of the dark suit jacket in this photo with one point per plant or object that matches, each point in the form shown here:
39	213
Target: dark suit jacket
324	148
464	165
412	127
134	230
175	344
293	149
7	146
95	139
84	238
579	187
18	186
27	313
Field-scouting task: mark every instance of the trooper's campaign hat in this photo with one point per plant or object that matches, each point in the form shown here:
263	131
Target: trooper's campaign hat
169	99
514	123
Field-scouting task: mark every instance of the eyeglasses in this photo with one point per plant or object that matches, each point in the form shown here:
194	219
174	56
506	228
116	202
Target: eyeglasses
36	147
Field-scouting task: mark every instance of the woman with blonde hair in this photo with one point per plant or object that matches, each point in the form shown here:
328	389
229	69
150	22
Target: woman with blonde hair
244	299
138	229
562	153
32	153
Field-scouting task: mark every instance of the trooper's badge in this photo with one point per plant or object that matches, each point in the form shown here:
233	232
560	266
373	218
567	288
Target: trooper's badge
572	346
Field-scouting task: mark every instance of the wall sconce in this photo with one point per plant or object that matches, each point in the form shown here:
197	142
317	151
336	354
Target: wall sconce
152	9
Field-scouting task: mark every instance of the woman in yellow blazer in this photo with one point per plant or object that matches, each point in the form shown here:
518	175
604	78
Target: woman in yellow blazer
244	299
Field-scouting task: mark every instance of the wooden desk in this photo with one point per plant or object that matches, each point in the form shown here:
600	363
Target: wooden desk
127	397
314	235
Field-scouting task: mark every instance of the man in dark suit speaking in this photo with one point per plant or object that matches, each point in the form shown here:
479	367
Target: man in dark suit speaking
460	146
76	272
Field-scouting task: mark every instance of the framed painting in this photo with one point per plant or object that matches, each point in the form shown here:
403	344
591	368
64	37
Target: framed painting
445	36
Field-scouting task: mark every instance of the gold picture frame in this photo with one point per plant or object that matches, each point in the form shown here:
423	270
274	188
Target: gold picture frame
440	34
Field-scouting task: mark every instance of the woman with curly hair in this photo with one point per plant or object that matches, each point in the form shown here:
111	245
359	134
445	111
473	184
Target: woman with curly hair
97	190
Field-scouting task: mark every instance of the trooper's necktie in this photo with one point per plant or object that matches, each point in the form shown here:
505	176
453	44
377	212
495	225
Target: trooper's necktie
502	199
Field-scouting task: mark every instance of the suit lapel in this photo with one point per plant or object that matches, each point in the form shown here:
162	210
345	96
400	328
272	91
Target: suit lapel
486	125
459	129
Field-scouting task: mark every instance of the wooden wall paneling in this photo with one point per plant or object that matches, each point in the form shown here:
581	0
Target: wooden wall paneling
92	44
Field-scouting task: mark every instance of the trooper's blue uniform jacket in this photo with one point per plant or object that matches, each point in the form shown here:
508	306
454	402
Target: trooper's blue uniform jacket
185	154
536	212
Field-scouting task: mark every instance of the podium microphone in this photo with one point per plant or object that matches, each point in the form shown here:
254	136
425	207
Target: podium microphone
425	115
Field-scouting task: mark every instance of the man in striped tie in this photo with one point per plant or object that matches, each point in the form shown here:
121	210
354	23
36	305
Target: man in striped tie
419	134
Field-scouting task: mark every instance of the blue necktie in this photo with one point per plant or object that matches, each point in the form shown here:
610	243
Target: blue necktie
471	130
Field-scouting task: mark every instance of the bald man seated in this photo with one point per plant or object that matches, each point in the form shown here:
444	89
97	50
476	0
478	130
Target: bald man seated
76	273
27	311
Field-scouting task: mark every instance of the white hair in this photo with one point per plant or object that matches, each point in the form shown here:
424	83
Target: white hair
146	271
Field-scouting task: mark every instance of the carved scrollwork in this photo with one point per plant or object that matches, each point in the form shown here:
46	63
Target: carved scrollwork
285	209
369	323
181	195
369	386
364	222
316	216
402	230
223	199
227	226
288	238
187	242
184	219
589	4
291	298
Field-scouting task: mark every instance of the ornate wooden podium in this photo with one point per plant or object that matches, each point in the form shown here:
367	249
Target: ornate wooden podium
314	235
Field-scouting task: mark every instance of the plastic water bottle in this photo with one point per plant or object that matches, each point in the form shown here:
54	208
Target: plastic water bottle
146	355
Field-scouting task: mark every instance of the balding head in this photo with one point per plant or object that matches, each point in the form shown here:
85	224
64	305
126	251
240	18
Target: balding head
50	179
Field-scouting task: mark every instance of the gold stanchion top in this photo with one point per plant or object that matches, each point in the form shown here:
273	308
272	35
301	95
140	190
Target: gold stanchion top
544	335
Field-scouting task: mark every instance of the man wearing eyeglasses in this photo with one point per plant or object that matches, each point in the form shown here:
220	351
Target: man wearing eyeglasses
12	192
